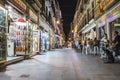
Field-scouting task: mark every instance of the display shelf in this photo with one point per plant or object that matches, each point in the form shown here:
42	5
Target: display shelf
20	39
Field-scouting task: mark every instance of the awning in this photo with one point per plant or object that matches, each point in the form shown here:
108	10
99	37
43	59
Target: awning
90	26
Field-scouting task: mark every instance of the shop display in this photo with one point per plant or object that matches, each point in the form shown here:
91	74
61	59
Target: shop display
11	39
2	43
12	32
36	41
20	39
17	34
45	42
2	34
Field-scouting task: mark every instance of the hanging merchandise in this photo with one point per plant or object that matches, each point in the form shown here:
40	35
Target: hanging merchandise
21	38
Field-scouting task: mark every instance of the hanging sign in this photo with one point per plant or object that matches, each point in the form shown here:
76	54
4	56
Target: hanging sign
19	4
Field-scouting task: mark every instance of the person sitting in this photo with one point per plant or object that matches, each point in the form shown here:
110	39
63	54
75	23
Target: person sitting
116	43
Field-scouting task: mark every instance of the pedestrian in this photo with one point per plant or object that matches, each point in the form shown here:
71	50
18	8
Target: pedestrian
105	41
95	46
89	46
116	43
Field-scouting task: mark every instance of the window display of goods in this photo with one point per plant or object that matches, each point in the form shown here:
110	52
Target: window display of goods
2	43
20	49
2	18
20	38
2	34
12	32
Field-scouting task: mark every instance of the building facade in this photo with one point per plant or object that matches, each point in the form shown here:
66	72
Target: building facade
27	27
94	18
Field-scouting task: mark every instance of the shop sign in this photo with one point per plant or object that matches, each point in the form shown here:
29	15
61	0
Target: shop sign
102	6
19	4
33	15
113	13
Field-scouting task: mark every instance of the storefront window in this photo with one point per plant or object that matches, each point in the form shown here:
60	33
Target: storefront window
2	17
17	32
2	34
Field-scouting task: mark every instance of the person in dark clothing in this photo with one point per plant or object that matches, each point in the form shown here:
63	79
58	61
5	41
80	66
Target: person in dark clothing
116	44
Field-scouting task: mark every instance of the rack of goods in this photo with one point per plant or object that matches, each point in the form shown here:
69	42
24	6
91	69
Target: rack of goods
20	39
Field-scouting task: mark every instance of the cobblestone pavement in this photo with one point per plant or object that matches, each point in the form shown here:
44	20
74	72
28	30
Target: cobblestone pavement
62	64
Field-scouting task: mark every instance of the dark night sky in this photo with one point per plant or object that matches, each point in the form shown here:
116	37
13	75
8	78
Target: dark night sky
68	9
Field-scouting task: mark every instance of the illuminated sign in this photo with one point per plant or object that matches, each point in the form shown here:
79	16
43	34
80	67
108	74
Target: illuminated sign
113	13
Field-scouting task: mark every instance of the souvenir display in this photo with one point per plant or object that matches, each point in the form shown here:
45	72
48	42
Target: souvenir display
20	39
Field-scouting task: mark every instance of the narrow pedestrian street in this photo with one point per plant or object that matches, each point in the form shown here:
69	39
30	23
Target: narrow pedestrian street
62	64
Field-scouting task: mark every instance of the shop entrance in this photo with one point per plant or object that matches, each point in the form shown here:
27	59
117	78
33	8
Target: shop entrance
16	32
114	26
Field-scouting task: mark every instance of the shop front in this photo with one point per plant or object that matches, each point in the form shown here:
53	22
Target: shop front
101	10
17	28
36	41
33	33
45	42
101	27
3	27
44	35
90	30
113	19
52	40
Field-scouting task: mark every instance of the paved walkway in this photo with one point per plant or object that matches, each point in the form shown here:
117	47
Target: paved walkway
64	64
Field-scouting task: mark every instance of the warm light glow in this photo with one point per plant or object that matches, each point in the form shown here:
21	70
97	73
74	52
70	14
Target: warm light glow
58	22
76	28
